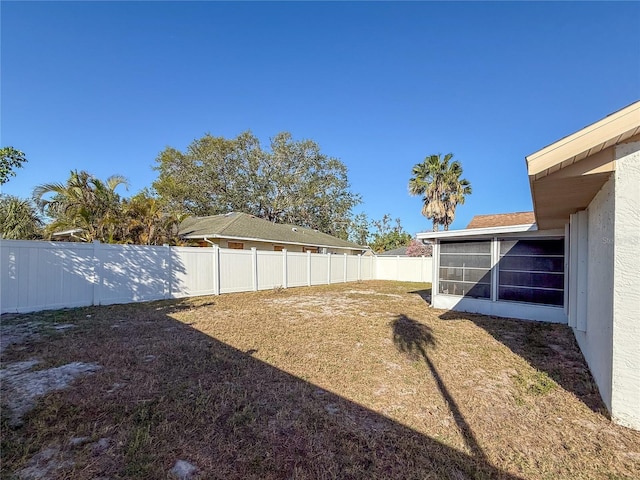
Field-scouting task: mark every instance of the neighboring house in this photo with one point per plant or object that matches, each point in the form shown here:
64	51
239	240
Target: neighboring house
243	231
578	264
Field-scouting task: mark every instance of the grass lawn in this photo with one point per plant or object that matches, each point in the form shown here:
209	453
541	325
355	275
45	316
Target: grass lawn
359	380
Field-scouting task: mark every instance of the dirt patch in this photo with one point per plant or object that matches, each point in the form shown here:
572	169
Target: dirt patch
13	334
21	387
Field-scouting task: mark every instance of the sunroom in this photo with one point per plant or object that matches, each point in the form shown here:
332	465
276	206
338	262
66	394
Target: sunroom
514	271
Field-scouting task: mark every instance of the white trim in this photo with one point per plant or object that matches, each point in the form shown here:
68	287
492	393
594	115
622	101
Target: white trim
470	232
525	311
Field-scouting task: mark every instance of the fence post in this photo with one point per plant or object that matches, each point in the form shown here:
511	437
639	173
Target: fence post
254	267
308	268
168	272
345	268
328	268
374	267
422	262
359	267
284	268
216	270
398	268
97	272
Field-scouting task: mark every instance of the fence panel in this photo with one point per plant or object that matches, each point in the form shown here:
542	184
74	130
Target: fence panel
297	269
270	269
367	267
192	271
236	270
45	275
337	268
132	273
386	268
319	269
352	267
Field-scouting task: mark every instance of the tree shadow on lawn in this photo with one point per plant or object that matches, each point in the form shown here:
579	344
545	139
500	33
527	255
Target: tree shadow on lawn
167	392
415	339
548	347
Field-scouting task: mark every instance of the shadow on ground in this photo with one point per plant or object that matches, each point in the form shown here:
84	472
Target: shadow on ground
166	391
415	339
425	294
548	347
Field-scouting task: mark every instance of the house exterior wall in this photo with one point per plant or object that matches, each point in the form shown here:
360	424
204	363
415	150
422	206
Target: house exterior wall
593	329
625	401
269	246
607	327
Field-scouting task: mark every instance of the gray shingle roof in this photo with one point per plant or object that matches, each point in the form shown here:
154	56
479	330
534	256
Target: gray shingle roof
238	225
402	251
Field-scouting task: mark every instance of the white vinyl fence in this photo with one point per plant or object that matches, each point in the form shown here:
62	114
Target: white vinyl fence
38	275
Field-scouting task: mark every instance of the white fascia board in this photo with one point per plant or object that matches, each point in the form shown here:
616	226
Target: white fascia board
594	136
266	240
475	232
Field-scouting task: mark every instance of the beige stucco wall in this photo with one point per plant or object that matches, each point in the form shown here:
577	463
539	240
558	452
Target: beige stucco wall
596	339
625	401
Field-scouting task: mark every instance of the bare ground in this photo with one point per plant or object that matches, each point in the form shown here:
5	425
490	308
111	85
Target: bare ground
360	380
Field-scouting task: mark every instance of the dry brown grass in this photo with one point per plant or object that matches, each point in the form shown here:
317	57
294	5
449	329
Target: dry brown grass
360	380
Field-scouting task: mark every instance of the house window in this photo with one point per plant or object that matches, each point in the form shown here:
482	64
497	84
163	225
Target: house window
278	248
235	245
531	271
310	249
465	269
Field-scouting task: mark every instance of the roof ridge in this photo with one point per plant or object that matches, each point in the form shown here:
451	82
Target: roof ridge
234	219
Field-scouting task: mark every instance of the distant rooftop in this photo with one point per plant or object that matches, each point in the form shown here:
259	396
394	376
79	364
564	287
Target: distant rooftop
237	225
502	220
402	251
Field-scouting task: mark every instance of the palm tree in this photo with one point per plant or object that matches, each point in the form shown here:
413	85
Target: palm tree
19	219
456	190
438	180
85	202
147	222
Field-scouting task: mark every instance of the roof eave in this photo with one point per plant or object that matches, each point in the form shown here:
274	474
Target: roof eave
613	129
250	239
478	231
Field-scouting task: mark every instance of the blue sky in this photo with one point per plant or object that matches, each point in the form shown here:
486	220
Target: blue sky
104	87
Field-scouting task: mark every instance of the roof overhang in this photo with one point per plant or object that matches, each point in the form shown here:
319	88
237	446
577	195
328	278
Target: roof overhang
266	240
487	232
566	175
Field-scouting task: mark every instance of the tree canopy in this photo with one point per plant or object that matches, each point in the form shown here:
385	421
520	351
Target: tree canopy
381	235
438	180
291	182
10	159
19	219
94	207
